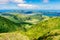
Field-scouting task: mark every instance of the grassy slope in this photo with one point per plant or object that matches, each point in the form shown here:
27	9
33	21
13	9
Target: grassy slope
43	29
7	25
22	17
13	36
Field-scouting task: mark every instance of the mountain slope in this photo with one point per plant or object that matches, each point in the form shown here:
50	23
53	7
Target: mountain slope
13	36
7	25
22	17
43	29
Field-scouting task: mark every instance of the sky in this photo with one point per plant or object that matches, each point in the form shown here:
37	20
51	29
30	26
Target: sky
30	4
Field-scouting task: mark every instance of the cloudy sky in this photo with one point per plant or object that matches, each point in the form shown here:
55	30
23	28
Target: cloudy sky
30	4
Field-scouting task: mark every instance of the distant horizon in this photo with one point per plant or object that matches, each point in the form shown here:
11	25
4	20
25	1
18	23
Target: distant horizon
24	10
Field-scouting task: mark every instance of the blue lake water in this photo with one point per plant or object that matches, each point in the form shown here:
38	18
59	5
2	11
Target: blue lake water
52	14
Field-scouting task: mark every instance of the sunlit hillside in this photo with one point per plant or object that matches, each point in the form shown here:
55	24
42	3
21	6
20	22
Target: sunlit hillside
13	36
29	27
45	29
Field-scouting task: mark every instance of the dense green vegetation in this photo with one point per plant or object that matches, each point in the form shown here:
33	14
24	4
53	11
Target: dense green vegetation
34	27
7	25
42	30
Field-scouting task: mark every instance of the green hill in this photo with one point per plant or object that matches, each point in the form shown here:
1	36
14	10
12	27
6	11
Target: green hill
17	21
22	17
13	36
7	25
44	29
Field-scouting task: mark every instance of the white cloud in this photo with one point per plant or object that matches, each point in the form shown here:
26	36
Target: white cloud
14	1
4	1
27	6
45	1
18	1
22	4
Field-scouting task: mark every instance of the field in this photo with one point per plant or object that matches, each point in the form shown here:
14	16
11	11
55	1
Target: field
29	27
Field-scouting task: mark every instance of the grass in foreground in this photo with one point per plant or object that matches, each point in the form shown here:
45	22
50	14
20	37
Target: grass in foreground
13	36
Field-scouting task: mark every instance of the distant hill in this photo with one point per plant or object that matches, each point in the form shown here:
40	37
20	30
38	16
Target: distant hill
11	11
28	11
21	17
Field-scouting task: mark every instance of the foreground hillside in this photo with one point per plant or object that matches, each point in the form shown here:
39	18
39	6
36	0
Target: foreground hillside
13	36
46	29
